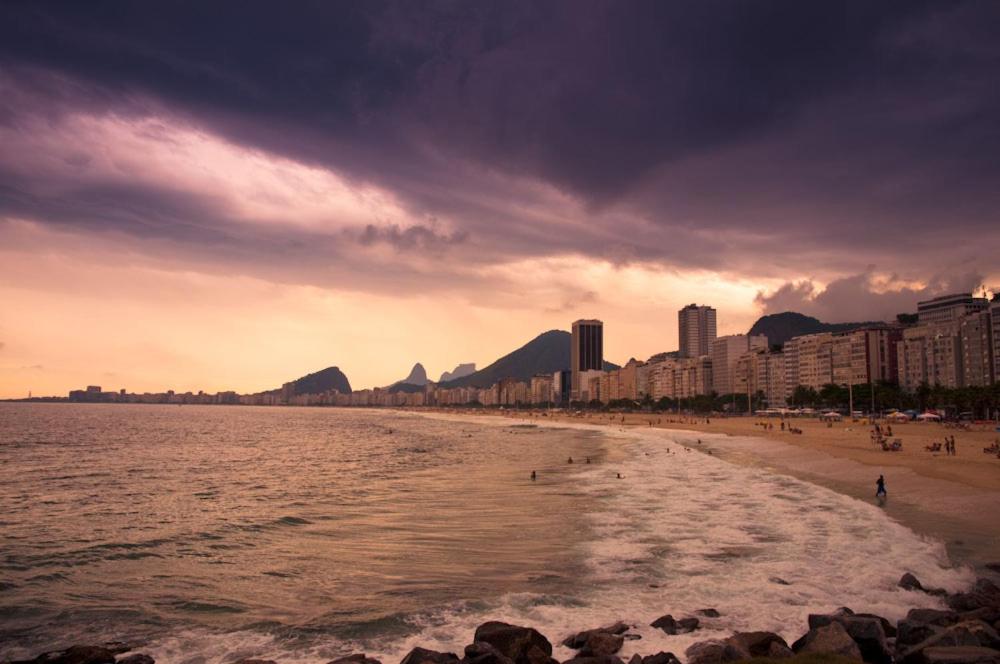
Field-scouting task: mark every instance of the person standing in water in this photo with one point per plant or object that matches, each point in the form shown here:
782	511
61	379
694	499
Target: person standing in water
880	487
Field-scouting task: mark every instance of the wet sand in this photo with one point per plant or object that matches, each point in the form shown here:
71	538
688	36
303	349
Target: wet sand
952	498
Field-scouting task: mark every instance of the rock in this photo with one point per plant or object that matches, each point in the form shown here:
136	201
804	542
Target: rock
867	632
887	627
483	653
671	626
610	659
708	613
920	624
602	644
578	640
251	660
76	655
523	645
760	644
910	582
779	581
969	633
995	567
137	658
960	655
356	658
659	658
713	651
423	656
832	638
117	647
984	594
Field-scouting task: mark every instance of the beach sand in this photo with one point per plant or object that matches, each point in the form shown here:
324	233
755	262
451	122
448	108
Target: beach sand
952	498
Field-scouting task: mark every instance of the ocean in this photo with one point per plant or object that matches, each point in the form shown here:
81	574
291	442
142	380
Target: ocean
211	533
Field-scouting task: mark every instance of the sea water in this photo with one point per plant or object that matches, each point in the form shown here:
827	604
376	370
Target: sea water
213	533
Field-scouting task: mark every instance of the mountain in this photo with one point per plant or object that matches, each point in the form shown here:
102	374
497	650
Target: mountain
331	378
547	353
779	328
415	382
460	371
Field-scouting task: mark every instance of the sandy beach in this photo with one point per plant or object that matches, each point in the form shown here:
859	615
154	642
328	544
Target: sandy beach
952	498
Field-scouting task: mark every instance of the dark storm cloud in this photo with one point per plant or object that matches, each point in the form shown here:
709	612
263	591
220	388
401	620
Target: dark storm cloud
824	135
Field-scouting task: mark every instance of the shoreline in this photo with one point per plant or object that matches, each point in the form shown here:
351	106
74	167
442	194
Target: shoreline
951	499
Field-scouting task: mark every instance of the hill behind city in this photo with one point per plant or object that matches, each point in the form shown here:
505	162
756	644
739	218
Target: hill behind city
779	328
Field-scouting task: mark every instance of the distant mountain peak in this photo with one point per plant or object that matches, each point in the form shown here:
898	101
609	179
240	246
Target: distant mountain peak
331	378
418	375
779	328
460	371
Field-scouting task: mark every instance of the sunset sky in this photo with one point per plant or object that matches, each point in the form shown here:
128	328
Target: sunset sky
231	196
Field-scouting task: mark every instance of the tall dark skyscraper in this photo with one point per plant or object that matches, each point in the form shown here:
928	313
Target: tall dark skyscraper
695	330
587	350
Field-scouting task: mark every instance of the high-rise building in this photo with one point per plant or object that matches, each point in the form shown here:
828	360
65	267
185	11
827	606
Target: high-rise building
995	335
865	355
812	355
977	350
696	330
931	354
587	351
949	307
725	351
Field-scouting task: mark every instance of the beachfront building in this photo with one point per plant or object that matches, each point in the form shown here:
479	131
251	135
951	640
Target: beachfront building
561	382
725	352
763	371
995	335
590	382
809	361
696	330
865	356
930	354
586	352
541	388
949	308
977	350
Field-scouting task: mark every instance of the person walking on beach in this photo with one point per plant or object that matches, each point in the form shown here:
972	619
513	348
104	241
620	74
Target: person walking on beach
880	490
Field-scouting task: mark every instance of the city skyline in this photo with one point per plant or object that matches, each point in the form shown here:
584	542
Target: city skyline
386	184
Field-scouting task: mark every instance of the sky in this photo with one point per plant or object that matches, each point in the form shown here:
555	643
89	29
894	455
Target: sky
228	196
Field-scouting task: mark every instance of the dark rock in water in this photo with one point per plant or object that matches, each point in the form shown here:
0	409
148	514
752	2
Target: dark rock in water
984	594
578	640
887	626
909	582
117	647
423	656
995	567
670	626
970	633
250	660
867	632
779	581
659	658
483	653
75	655
356	658
708	613
632	637
832	638
610	659
524	645
137	658
960	655
713	651
760	644
602	644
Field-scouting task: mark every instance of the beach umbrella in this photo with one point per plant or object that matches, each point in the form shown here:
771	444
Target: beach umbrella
902	417
928	416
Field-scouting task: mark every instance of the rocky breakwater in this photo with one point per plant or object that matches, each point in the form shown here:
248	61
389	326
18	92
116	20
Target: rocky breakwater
966	632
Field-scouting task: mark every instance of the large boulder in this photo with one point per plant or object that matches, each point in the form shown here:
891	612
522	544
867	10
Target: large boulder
138	658
959	655
75	655
578	640
969	633
251	660
867	632
714	651
670	626
984	594
832	638
760	644
523	645
483	653
608	659
602	644
424	656
921	624
659	658
356	658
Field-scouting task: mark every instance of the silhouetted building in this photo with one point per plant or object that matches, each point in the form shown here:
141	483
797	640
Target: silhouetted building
696	330
947	308
587	351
